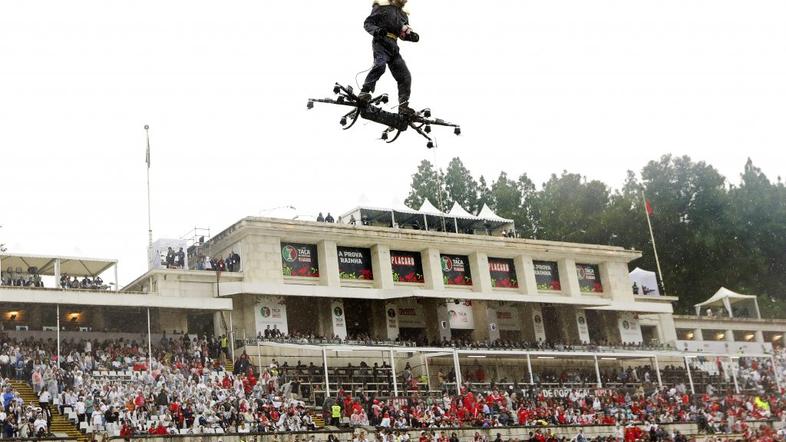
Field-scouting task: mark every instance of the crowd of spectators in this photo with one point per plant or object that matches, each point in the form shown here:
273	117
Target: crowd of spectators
536	407
20	420
86	283
229	264
185	389
17	278
307	337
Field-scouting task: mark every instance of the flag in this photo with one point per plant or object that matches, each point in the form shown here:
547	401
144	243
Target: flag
147	152
649	207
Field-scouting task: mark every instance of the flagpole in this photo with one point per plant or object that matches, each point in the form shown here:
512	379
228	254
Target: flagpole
147	160
652	238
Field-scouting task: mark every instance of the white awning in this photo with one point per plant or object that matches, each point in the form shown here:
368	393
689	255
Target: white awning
646	282
488	214
458	212
725	298
46	264
429	209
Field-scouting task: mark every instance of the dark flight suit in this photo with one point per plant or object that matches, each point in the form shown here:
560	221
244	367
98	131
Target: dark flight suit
385	23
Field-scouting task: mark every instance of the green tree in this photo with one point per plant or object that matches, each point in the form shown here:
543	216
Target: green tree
759	234
427	183
485	197
690	225
460	186
507	196
570	208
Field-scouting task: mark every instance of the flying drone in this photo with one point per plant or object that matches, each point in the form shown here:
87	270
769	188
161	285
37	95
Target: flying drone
372	110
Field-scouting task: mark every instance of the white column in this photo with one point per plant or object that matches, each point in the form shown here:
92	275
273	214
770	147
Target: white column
597	371
328	263
383	270
231	338
690	377
657	372
58	331
327	380
149	345
481	276
568	278
457	369
734	375
425	367
529	367
117	283
525	274
259	357
432	269
57	273
393	374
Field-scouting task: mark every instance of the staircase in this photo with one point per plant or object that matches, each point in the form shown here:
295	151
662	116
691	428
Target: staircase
60	424
229	366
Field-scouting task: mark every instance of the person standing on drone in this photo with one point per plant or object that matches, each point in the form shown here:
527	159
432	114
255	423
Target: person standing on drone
387	23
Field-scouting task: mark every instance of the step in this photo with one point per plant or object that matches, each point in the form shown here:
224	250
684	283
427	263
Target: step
59	423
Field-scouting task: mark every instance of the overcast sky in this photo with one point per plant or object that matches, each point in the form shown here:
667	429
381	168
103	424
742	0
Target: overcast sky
594	87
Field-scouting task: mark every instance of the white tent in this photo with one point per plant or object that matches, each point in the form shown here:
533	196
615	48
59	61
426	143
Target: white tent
458	212
429	209
725	298
487	213
646	282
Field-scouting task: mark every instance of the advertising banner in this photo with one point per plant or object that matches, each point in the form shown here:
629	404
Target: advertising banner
354	263
566	392
300	260
410	314
391	320
581	322
589	278
630	329
547	275
461	317
507	318
537	323
503	273
455	270
271	313
339	318
407	267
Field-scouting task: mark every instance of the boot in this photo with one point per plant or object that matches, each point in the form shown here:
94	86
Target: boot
364	98
405	110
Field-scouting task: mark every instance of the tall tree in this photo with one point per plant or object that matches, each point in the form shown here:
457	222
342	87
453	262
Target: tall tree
485	197
507	196
526	218
427	183
690	225
460	186
570	208
760	233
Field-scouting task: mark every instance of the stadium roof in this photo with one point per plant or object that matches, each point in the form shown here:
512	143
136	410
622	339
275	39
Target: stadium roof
46	264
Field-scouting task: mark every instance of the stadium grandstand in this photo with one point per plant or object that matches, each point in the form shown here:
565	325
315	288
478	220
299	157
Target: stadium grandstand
385	324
